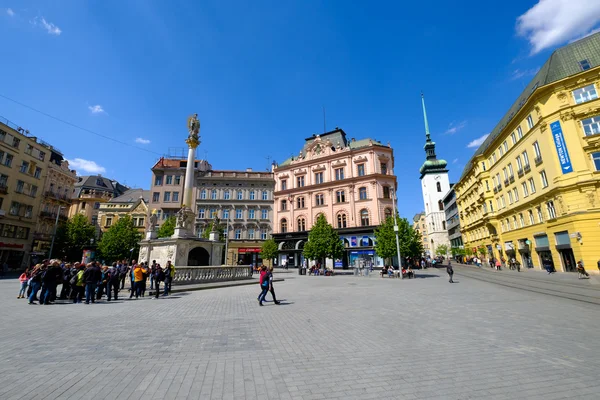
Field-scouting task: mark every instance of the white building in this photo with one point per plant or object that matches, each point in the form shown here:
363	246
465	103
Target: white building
434	184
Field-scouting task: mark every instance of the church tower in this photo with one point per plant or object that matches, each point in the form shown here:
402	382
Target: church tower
435	184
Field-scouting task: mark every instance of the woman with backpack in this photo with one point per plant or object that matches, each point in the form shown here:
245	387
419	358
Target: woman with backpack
23	279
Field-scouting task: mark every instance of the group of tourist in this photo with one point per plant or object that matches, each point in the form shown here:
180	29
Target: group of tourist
92	281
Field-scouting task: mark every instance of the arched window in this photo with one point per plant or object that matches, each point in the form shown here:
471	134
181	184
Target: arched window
439	187
341	220
441	205
387	213
203	194
362	193
213	194
364	217
226	194
301	224
284	226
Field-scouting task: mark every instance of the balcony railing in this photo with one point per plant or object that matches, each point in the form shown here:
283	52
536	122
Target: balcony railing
538	160
57	196
52	215
520	173
527	168
42	236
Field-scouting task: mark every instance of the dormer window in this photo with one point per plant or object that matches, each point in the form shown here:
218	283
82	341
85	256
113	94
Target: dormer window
584	65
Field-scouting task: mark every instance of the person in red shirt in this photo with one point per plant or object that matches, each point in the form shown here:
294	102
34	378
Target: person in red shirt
264	284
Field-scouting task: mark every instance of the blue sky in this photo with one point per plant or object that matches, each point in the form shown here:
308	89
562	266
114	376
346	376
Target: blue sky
259	73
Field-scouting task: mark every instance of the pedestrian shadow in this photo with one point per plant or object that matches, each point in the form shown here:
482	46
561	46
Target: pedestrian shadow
419	276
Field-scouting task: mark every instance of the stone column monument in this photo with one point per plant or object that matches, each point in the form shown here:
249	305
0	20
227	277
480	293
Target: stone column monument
185	217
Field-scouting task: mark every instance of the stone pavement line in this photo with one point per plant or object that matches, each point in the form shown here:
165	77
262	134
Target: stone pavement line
334	338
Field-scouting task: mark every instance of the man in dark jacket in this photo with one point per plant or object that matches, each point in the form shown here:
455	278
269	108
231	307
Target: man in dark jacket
450	271
91	277
114	280
50	280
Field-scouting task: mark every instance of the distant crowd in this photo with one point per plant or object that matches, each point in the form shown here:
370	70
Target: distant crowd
90	282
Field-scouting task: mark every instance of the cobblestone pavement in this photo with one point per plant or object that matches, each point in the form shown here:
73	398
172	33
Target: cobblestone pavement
334	338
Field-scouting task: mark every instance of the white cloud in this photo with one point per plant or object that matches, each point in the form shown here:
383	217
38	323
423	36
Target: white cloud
519	73
48	26
455	161
10	12
142	141
554	22
454	127
97	109
87	166
477	142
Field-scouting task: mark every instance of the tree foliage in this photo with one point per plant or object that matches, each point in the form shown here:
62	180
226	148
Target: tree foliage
118	241
468	251
442	250
411	242
482	250
72	236
269	250
457	251
220	229
323	242
167	229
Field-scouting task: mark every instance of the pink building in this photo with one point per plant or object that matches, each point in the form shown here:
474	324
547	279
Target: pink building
349	181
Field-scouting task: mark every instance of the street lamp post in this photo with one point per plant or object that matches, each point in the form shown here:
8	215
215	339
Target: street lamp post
54	233
227	240
396	229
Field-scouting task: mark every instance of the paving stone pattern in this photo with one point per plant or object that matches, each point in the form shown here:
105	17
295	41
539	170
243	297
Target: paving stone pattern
337	337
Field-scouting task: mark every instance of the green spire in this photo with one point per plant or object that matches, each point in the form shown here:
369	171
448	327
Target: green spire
425	117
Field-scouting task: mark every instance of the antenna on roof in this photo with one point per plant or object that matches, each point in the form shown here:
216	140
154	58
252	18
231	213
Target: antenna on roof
324	121
268	162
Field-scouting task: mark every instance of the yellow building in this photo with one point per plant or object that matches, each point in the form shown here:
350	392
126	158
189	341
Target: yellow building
420	226
133	202
531	191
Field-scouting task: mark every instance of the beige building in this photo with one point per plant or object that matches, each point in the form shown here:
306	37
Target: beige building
166	189
56	201
23	168
243	201
420	225
91	191
134	203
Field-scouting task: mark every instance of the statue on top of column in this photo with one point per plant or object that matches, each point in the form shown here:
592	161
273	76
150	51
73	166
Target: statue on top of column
193	125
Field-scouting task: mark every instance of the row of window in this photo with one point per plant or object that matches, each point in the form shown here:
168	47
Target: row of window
508	224
341	221
526	187
251	234
9	139
237	213
20	209
167	197
26	167
338	176
26	188
340	197
168	179
227	194
14	231
136	221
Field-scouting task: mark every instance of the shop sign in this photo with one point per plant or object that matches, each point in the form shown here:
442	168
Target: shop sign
561	147
338	264
11	245
353	242
365	241
245	250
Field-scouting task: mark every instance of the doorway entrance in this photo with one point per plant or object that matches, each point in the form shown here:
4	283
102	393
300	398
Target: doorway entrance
568	260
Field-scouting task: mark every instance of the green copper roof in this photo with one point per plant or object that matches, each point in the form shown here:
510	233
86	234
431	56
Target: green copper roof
433	166
563	63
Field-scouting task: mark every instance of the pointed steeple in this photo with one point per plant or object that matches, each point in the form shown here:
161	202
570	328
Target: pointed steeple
432	164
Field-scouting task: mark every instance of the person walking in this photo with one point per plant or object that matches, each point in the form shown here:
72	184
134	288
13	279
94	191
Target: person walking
271	289
123	270
23	281
78	284
581	272
158	275
152	266
133	265
114	280
169	275
35	283
450	271
138	278
146	272
264	285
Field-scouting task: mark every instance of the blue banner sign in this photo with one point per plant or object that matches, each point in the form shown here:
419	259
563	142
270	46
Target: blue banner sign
561	147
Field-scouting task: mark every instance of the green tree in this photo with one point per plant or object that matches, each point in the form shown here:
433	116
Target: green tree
457	251
411	243
323	242
117	242
72	236
167	229
468	251
269	250
482	250
442	250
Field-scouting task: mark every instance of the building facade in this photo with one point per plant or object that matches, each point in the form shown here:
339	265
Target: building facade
56	200
243	201
89	193
434	185
420	226
133	203
349	181
452	220
24	162
166	187
531	191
